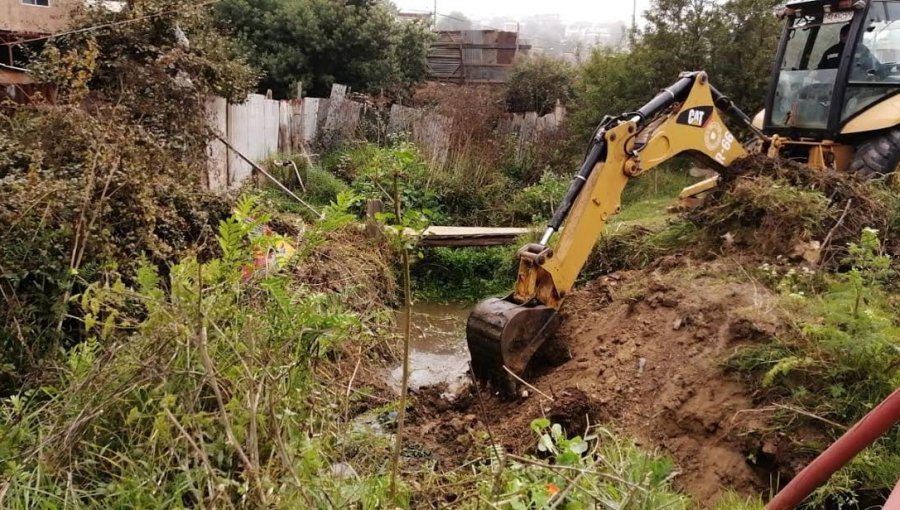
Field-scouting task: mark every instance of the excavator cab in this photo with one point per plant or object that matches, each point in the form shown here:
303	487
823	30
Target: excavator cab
835	83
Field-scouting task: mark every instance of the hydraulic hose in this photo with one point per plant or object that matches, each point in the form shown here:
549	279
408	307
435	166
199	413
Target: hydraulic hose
594	156
861	435
676	92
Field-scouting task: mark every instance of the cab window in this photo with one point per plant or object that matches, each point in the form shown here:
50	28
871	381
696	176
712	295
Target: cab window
808	72
875	67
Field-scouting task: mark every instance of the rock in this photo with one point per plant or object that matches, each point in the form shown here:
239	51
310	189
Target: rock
769	447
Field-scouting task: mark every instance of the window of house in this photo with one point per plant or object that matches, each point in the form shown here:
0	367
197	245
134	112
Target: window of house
42	3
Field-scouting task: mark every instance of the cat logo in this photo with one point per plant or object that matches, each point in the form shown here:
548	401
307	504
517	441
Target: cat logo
696	117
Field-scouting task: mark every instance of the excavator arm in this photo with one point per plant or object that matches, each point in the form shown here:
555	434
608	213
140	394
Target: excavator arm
504	334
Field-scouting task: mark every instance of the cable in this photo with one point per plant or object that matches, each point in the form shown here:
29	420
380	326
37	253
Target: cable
469	21
108	25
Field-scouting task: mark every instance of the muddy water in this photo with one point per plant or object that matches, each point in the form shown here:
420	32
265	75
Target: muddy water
438	352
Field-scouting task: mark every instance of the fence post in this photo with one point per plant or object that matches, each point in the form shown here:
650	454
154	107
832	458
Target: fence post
373	207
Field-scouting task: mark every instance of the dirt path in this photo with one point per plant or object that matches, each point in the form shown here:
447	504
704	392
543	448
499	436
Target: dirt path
641	351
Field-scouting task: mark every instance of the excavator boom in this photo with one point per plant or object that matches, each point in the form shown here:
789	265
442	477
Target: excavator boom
504	334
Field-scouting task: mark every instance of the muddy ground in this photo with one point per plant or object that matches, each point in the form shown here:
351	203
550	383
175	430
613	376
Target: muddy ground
641	352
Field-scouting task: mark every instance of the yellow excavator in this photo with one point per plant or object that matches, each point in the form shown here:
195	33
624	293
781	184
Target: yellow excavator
833	102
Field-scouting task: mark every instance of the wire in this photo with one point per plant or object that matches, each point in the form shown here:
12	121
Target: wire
108	25
464	20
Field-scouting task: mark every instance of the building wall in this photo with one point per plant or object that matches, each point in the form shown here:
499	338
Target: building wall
34	19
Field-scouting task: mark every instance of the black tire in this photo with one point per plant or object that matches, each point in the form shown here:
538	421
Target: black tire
877	158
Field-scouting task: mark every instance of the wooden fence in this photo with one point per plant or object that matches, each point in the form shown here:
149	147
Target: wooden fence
529	128
260	128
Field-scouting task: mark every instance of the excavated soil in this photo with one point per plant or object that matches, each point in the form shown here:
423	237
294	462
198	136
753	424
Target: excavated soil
642	352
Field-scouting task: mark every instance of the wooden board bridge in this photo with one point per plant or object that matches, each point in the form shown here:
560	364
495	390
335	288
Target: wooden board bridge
453	237
470	236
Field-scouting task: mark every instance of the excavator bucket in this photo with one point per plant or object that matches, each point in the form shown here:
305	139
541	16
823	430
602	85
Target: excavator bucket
501	334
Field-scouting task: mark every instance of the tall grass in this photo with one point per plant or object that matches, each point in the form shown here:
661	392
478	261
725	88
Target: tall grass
198	390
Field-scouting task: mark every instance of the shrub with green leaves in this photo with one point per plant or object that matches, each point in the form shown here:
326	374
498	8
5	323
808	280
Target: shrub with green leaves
319	186
464	274
374	176
538	84
197	389
82	198
580	472
537	203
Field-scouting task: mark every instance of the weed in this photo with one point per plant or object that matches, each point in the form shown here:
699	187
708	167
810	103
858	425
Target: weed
320	187
193	390
83	198
733	501
581	472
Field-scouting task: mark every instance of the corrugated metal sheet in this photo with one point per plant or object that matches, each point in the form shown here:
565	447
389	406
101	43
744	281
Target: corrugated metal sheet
478	56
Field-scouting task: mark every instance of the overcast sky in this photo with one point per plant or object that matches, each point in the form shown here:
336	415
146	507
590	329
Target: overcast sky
570	10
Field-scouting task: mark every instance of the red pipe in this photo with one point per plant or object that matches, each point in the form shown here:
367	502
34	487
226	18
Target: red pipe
893	502
861	435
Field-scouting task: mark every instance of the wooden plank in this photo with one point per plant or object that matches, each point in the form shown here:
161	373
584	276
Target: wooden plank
342	121
217	116
470	236
271	123
338	92
310	121
441	231
467	242
321	115
238	137
296	120
285	126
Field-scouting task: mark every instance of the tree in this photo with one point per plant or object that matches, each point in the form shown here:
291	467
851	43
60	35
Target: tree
537	83
733	41
318	43
157	60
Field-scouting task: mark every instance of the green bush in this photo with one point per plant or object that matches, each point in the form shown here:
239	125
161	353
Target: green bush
322	187
350	160
537	203
398	169
464	274
609	469
81	198
198	390
461	203
538	84
317	43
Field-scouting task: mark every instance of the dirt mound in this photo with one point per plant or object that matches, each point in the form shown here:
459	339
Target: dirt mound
643	352
648	346
772	206
346	262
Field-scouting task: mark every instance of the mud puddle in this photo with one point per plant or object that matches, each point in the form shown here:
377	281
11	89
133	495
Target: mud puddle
438	353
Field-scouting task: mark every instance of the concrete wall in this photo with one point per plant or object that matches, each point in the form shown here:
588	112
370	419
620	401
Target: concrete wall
34	19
